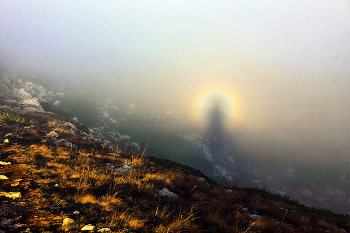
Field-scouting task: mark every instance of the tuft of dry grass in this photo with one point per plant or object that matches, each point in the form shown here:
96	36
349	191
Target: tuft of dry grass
85	199
111	203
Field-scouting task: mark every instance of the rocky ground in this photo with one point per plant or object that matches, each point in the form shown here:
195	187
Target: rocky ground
56	177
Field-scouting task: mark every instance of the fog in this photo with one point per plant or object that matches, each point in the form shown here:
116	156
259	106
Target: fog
279	68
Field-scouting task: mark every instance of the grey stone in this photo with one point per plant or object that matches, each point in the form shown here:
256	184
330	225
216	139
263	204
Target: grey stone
166	193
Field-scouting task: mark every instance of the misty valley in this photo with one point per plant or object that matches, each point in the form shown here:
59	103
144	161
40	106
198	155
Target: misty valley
118	123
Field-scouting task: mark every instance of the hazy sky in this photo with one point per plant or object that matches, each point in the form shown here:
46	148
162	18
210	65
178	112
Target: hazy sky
283	66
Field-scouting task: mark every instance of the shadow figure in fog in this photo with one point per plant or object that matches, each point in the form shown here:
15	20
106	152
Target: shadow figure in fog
215	134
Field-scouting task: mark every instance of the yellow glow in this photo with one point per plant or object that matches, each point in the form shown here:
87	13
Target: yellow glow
204	98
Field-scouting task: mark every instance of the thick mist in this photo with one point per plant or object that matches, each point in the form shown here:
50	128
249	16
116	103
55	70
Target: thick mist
280	68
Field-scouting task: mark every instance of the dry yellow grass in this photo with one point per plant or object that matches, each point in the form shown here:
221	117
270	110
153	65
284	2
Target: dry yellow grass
131	222
157	178
62	154
180	224
111	203
41	150
137	161
85	199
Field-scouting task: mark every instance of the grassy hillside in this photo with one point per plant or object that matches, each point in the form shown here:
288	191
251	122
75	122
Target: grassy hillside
63	182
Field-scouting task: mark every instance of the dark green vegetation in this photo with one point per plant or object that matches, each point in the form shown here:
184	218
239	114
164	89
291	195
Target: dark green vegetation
55	181
14	117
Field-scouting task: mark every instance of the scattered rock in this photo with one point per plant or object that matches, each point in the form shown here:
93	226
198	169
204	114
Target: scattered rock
4	163
105	230
31	102
76	212
124	169
201	179
3	177
88	227
166	193
12	195
66	223
68	144
75	120
254	216
17	225
52	134
70	125
72	132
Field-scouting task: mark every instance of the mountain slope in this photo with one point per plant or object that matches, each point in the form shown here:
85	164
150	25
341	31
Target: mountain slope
56	177
115	120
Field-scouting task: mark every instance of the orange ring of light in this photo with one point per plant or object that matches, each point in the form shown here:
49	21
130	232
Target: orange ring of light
202	102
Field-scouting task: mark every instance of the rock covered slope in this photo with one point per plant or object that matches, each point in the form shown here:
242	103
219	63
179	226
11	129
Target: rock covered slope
23	93
55	177
23	96
19	94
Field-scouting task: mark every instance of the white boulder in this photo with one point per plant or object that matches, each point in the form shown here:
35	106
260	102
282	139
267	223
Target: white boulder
166	193
52	134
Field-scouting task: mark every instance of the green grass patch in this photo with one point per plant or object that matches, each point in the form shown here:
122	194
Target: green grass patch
14	117
11	116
